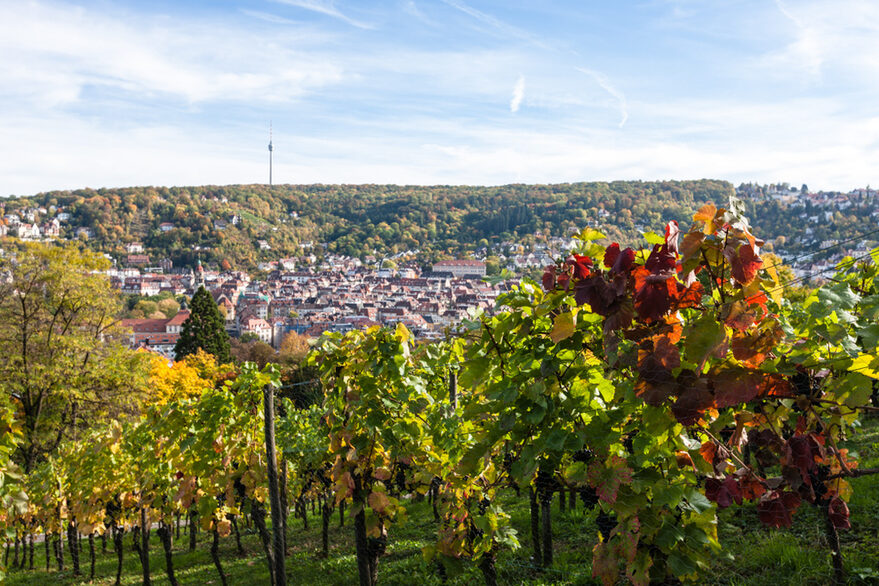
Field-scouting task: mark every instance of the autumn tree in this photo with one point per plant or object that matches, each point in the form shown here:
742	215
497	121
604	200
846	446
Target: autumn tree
294	347
204	329
252	349
58	363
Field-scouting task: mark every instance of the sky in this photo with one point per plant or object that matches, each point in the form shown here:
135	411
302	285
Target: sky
183	92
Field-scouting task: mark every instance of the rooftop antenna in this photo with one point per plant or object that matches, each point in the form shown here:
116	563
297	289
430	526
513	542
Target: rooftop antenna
270	153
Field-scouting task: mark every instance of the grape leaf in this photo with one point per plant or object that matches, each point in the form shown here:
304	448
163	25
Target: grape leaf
733	386
563	326
837	511
745	263
775	508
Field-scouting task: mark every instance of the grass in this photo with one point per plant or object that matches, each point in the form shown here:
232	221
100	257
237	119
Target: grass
760	556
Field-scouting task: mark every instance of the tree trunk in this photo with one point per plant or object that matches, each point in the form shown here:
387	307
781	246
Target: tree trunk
104	542
326	513
303	512
258	514
835	549
193	529
361	545
165	538
489	571
23	560
215	555
15	555
535	524
31	556
6	557
91	556
72	544
117	545
376	548
46	538
59	552
546	519
142	546
562	503
342	514
177	523
237	535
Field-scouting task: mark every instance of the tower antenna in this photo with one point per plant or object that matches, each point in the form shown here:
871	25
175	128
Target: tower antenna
270	153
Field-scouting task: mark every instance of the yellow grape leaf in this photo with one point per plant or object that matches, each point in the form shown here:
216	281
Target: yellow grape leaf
402	333
706	214
866	364
844	490
563	327
590	234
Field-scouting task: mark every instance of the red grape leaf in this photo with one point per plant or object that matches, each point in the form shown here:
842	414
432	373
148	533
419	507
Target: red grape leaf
655	393
775	508
745	263
611	253
837	510
691	404
582	266
549	278
723	492
689	296
735	385
666	353
803	452
595	291
653	294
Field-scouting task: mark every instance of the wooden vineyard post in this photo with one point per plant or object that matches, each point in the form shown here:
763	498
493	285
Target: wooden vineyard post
280	573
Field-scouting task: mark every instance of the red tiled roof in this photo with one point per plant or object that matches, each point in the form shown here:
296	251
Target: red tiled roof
178	319
145	325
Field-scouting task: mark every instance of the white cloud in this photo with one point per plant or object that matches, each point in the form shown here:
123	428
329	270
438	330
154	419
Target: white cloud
410	8
53	52
495	23
326	7
829	38
269	17
518	94
114	98
607	86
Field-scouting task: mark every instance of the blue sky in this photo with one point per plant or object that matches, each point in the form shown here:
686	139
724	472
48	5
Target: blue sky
105	94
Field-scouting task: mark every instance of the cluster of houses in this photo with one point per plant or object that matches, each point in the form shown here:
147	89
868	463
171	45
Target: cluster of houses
338	295
517	257
33	223
814	208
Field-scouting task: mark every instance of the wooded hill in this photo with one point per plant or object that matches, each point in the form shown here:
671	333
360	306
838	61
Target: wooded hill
227	223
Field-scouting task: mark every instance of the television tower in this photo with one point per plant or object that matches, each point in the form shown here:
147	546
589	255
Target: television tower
270	154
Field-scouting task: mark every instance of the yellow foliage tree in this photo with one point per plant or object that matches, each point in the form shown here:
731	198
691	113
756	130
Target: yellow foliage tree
294	348
185	378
